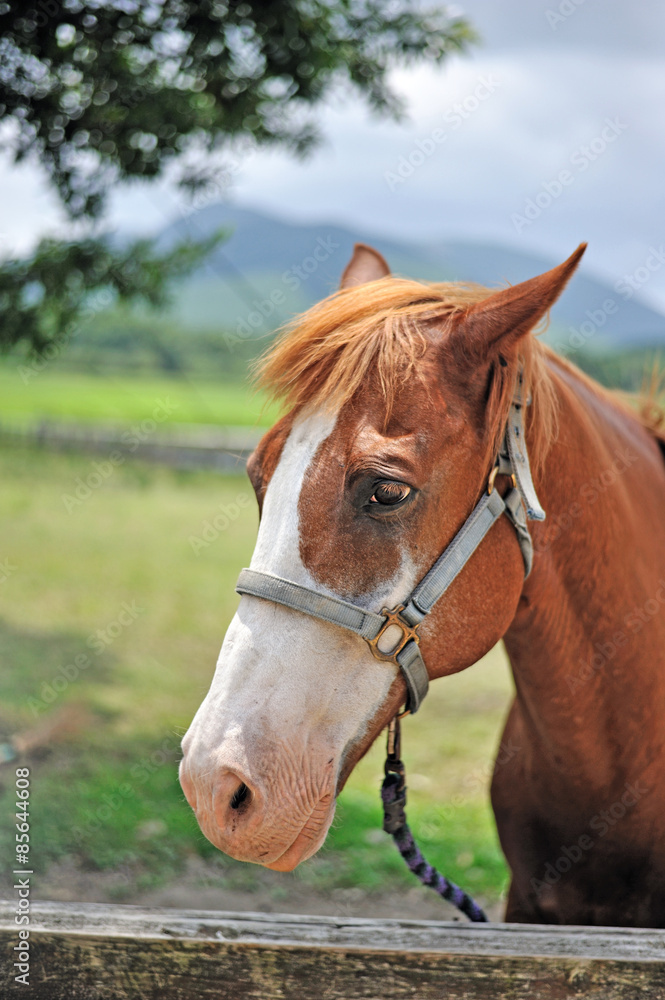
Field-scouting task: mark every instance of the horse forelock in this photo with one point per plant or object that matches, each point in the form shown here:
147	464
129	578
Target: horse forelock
377	334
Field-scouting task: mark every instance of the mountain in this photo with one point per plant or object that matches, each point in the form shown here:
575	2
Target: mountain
270	269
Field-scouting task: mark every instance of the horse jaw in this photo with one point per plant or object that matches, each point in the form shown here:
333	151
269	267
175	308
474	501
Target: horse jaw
290	697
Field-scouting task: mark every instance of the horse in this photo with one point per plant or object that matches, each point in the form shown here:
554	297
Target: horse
397	399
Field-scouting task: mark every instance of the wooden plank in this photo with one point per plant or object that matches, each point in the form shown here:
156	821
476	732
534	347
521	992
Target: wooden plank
192	446
120	952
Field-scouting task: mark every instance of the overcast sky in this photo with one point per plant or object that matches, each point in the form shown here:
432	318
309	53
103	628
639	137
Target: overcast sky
549	133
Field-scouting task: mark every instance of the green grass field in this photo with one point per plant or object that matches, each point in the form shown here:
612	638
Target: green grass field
106	610
55	394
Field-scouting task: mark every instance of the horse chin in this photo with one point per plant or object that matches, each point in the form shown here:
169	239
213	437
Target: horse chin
300	850
305	846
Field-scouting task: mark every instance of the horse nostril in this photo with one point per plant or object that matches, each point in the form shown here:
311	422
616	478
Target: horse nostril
240	795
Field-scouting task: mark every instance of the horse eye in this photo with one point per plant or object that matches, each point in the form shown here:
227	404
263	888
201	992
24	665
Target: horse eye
389	494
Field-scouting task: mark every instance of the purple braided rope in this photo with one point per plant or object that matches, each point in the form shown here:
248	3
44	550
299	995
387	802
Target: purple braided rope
421	868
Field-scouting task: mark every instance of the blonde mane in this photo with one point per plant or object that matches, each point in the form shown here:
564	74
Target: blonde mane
325	355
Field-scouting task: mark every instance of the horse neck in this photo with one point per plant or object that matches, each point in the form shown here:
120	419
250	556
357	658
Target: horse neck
586	643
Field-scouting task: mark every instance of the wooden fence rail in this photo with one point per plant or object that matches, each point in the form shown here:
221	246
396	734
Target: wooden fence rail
130	953
185	446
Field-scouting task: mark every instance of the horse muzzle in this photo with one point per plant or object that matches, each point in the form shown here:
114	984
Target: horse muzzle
275	823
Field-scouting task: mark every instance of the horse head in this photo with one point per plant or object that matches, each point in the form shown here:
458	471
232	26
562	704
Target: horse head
399	395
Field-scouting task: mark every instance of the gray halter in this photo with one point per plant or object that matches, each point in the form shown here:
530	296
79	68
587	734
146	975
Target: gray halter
519	504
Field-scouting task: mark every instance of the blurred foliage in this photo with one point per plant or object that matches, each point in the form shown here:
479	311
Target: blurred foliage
129	340
102	90
46	296
628	369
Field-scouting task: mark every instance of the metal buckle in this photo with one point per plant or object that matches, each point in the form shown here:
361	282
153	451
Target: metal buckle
409	632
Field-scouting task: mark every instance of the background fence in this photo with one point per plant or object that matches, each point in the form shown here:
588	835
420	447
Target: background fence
186	446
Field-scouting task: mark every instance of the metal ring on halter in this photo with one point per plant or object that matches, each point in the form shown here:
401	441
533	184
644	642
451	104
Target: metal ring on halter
409	632
492	477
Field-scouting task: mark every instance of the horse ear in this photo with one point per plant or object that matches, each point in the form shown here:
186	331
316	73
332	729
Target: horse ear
366	264
502	319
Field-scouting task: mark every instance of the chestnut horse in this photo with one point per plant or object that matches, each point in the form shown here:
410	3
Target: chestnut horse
399	393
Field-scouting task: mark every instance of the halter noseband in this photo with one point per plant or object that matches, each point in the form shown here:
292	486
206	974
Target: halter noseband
520	503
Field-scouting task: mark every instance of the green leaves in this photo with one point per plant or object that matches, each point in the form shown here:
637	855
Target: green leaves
104	91
101	90
44	297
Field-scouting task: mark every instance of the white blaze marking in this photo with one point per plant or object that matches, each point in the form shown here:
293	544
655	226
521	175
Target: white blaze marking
278	543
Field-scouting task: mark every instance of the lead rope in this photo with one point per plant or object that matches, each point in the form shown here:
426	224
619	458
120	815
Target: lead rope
393	796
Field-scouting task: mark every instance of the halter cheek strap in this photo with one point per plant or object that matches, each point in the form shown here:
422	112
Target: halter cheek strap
378	630
513	458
